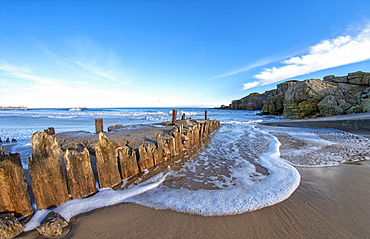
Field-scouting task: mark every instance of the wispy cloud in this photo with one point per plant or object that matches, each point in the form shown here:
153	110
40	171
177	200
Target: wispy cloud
28	76
262	62
84	56
342	50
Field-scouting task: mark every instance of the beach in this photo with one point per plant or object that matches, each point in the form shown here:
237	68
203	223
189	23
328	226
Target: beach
331	202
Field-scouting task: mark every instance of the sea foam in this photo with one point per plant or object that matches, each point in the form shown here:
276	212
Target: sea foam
319	147
238	190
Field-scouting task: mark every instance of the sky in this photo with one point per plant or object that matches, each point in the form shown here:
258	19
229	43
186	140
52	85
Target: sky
168	53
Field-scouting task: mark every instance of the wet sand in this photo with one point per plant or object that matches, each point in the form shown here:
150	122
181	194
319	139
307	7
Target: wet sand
331	202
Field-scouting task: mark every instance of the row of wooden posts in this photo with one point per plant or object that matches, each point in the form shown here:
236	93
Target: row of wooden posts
99	126
51	184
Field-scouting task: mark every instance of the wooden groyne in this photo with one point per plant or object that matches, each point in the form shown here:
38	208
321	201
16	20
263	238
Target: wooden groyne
73	165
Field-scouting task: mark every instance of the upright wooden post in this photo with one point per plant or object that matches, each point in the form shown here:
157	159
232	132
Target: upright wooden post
107	163
14	196
81	181
127	162
51	130
99	126
183	116
47	179
174	115
206	115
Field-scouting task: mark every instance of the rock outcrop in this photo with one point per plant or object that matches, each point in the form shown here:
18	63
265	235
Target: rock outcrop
275	102
313	97
254	101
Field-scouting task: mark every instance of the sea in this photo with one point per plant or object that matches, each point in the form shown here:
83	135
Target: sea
242	167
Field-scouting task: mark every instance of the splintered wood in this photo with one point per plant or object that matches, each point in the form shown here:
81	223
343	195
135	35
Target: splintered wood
47	179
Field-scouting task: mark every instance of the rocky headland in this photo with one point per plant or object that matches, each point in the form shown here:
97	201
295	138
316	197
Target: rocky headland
334	95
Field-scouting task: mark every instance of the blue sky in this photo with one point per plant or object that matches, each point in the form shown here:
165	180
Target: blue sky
172	53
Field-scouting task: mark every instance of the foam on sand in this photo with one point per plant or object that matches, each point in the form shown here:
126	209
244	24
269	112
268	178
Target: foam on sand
318	147
240	189
103	198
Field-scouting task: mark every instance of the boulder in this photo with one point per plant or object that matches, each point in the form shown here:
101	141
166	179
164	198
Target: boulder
344	104
52	225
336	79
329	106
355	78
10	227
366	105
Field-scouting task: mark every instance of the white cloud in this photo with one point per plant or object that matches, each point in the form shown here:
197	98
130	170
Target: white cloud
251	85
330	53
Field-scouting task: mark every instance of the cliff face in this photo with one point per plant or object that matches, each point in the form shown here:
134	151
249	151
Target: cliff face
314	97
275	102
254	101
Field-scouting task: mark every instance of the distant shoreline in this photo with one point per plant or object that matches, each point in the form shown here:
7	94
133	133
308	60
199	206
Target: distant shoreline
12	107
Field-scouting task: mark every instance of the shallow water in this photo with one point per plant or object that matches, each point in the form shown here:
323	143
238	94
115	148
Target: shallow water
243	167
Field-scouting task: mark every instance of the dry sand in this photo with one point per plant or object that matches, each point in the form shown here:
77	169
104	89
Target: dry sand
331	202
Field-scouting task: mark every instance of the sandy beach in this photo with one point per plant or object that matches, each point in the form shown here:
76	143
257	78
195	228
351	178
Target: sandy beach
331	202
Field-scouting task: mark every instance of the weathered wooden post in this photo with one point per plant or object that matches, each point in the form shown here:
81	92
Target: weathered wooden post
174	115
47	179
206	115
106	163
50	131
145	160
14	196
81	181
127	162
179	147
99	126
183	116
